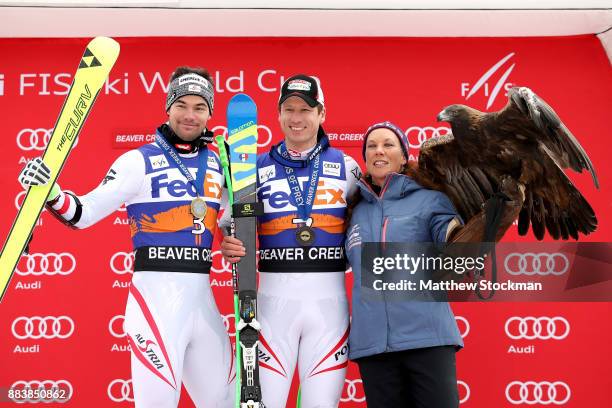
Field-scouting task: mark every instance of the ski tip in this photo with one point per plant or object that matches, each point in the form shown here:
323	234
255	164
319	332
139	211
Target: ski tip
106	45
240	107
241	97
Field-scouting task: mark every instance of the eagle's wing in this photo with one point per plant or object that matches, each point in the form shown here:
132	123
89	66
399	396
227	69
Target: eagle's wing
440	168
553	203
533	113
529	129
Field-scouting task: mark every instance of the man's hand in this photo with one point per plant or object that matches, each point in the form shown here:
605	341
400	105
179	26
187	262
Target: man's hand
232	249
35	173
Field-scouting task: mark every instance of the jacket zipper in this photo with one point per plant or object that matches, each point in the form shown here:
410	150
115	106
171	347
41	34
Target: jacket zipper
385	219
383	240
384	230
384	188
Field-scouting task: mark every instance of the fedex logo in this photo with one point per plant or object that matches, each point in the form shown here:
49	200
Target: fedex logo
179	188
326	195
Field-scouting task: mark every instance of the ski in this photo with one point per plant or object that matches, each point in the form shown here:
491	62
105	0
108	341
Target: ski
221	143
242	139
98	59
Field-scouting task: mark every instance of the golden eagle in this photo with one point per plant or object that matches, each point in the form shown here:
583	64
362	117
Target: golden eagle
526	141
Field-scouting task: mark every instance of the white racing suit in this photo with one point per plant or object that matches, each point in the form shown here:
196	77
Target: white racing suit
172	322
302	302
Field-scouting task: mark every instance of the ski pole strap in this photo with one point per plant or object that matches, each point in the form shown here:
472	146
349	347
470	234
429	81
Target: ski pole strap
494	209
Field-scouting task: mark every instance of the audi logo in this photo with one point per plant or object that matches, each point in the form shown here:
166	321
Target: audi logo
116	326
45	391
33	139
542	328
352	391
46	264
464	390
223	131
541	263
120	391
42	327
465	323
225	266
543	392
230	325
122	262
422	134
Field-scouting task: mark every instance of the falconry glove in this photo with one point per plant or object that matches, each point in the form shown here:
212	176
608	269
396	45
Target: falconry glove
512	193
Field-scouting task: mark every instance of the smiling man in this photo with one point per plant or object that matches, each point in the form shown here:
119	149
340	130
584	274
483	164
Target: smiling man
304	185
172	190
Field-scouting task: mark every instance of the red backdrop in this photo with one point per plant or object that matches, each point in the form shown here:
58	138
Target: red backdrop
79	279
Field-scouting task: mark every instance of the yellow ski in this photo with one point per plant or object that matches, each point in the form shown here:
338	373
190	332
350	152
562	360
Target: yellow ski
96	63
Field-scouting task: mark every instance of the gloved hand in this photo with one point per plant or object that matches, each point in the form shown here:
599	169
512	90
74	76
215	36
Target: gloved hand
37	173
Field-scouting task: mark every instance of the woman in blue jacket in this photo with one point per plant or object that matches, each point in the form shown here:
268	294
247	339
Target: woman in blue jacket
405	349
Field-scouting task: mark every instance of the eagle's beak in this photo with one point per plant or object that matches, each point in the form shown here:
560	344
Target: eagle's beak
442	116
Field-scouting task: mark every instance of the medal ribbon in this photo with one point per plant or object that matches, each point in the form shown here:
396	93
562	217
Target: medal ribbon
173	158
285	159
313	162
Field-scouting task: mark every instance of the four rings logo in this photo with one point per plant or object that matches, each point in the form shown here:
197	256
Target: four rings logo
46	264
120	391
222	130
45	391
542	328
42	327
218	259
541	263
116	326
229	322
543	392
418	135
35	139
122	262
464	323
464	390
353	391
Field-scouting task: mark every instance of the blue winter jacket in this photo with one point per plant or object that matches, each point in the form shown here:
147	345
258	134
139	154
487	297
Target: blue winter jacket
404	212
